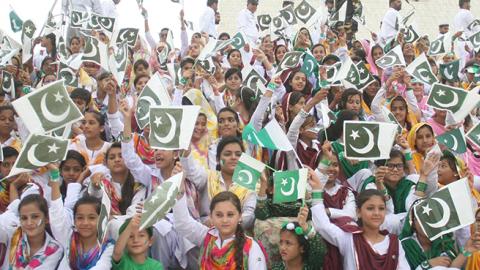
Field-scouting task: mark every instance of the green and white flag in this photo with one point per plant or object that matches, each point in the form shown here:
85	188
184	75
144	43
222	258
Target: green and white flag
390	118
253	80
38	151
332	73
67	74
304	11
248	172
455	100
411	35
15	22
128	35
28	29
368	140
421	70
310	64
171	127
366	77
352	73
8	85
117	62
393	58
289	15
47	108
277	27
271	137
105	24
289	186
447	210
450	71
475	40
454	140
264	21
62	49
78	19
96	51
289	61
327	115
473	25
153	94
102	223
160	201
474	135
440	46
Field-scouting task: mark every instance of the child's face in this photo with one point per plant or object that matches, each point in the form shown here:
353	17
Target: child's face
225	217
32	220
139	242
71	170
6	165
289	247
86	219
81	104
7	121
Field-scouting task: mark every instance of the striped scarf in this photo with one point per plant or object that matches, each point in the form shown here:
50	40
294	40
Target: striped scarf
80	260
222	258
20	257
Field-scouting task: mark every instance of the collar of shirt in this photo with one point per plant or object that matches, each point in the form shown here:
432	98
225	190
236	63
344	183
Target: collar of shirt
219	241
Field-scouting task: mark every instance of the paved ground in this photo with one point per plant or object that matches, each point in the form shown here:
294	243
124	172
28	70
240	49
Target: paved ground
428	13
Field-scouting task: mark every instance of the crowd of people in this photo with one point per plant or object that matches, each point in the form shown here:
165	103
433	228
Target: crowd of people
357	214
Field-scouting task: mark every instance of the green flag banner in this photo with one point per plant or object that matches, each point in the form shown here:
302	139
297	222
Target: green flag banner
474	135
248	172
454	140
289	186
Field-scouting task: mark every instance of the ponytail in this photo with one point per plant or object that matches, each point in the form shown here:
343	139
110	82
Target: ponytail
239	242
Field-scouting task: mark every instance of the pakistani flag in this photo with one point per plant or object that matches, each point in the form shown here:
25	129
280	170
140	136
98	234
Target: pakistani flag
455	100
289	15
475	40
473	25
368	140
304	11
393	58
271	137
340	13
207	65
447	210
289	61
8	84
96	51
327	115
68	75
238	41
117	62
474	135
450	71
248	172
366	77
128	35
171	127
160	201
390	118
278	26
93	22
47	108
352	73
102	223
105	24
264	21
310	64
289	186
454	140
411	35
421	70
62	49
38	151
28	29
78	19
153	94
408	16
332	74
252	79
437	47
15	22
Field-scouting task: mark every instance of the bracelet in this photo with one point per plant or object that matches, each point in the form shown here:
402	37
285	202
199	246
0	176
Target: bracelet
408	156
317	195
54	175
421	186
272	86
425	265
466	253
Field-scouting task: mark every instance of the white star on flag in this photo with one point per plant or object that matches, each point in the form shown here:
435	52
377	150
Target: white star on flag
354	134
58	97
6	80
154	197
441	93
28	29
361	70
426	209
158	121
284	182
53	148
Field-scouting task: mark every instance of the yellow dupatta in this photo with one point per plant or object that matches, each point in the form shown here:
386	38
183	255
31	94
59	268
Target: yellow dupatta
412	135
215	187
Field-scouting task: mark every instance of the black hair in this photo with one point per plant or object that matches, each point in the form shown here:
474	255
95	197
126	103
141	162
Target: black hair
232	51
187	60
462	2
226	141
394	153
452	163
138	63
366	98
127	187
74	155
307	90
40	202
9	151
104	75
81	93
224	34
44	61
330	57
275	51
401	99
342	105
249	98
88	199
232	71
302	241
7	108
72	38
53	40
211	2
335	131
137	79
101	121
239	242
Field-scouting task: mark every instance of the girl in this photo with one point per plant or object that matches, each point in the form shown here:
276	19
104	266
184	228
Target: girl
352	100
72	171
280	51
371	248
245	104
368	94
233	82
7	124
399	108
80	239
297	82
31	245
376	52
75	45
292	103
92	144
420	139
319	52
225	245
228	125
234	58
200	140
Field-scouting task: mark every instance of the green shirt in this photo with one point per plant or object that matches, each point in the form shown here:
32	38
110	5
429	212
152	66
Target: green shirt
126	263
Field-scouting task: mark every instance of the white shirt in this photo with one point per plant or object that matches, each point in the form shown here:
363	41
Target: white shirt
389	27
461	21
196	232
109	9
82	5
247	23
207	22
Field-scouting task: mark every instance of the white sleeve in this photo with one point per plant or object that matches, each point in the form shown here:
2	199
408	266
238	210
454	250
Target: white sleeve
330	232
184	43
73	194
105	261
141	172
186	226
377	104
177	97
116	125
194	172
356	180
218	101
258	115
60	225
412	101
150	40
349	208
242	22
248	211
294	129
256	258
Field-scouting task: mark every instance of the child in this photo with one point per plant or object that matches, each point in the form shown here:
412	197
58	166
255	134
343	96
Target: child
137	243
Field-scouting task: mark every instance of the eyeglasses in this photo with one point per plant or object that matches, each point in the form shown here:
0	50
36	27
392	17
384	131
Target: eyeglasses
392	166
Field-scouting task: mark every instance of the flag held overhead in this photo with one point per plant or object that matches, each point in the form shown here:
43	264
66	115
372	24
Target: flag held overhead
248	172
289	186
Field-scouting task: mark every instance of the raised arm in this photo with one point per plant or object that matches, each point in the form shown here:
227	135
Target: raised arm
186	226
